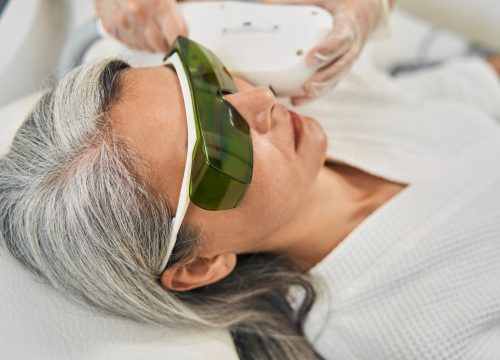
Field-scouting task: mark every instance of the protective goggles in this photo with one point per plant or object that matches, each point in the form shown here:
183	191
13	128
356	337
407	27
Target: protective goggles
219	159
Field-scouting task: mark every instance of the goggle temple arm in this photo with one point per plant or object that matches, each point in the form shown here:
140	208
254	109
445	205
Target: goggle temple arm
174	59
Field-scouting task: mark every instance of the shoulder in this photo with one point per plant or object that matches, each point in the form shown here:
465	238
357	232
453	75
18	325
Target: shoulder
423	268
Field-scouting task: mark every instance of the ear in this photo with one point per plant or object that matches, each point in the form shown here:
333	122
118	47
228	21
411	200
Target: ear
198	272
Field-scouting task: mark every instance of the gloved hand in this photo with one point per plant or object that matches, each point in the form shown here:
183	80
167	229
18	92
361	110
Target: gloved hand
354	21
494	61
142	24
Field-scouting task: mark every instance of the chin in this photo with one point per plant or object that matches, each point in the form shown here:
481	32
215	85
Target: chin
319	134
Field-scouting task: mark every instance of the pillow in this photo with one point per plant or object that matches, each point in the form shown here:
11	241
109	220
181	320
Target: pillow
40	323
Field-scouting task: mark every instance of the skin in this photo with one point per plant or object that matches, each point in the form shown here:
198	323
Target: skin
297	203
494	62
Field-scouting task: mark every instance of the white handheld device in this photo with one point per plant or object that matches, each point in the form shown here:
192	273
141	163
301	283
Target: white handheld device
264	43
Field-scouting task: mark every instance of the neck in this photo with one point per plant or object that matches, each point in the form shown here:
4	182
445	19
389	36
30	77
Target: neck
336	205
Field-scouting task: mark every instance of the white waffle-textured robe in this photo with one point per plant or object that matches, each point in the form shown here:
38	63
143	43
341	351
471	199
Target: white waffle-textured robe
420	277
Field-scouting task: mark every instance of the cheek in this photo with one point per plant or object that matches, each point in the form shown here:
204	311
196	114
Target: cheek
280	185
276	190
270	201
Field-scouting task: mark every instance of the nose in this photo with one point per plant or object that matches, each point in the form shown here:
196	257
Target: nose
255	105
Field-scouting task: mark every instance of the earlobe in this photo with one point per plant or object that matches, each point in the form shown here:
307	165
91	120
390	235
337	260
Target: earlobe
199	272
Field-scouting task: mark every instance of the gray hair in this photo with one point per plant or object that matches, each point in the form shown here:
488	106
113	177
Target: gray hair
75	211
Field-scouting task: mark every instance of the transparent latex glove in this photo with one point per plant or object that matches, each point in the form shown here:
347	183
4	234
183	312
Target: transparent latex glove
494	61
149	25
354	21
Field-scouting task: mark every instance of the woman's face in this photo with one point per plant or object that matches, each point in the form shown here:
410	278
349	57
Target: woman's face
150	118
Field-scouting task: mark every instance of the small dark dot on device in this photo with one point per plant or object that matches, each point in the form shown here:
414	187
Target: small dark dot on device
247	23
299	52
314	12
275	27
224	30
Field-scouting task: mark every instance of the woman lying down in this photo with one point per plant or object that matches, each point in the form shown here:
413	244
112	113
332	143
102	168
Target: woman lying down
180	196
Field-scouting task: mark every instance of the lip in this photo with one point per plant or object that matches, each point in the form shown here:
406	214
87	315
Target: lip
298	128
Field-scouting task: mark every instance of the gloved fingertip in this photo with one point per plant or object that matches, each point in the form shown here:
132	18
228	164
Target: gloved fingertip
313	61
163	49
170	38
313	89
322	57
319	59
298	101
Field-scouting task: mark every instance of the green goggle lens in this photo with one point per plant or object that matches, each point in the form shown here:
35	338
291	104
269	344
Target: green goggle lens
223	153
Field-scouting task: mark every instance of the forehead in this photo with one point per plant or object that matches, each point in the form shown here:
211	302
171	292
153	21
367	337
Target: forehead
150	118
